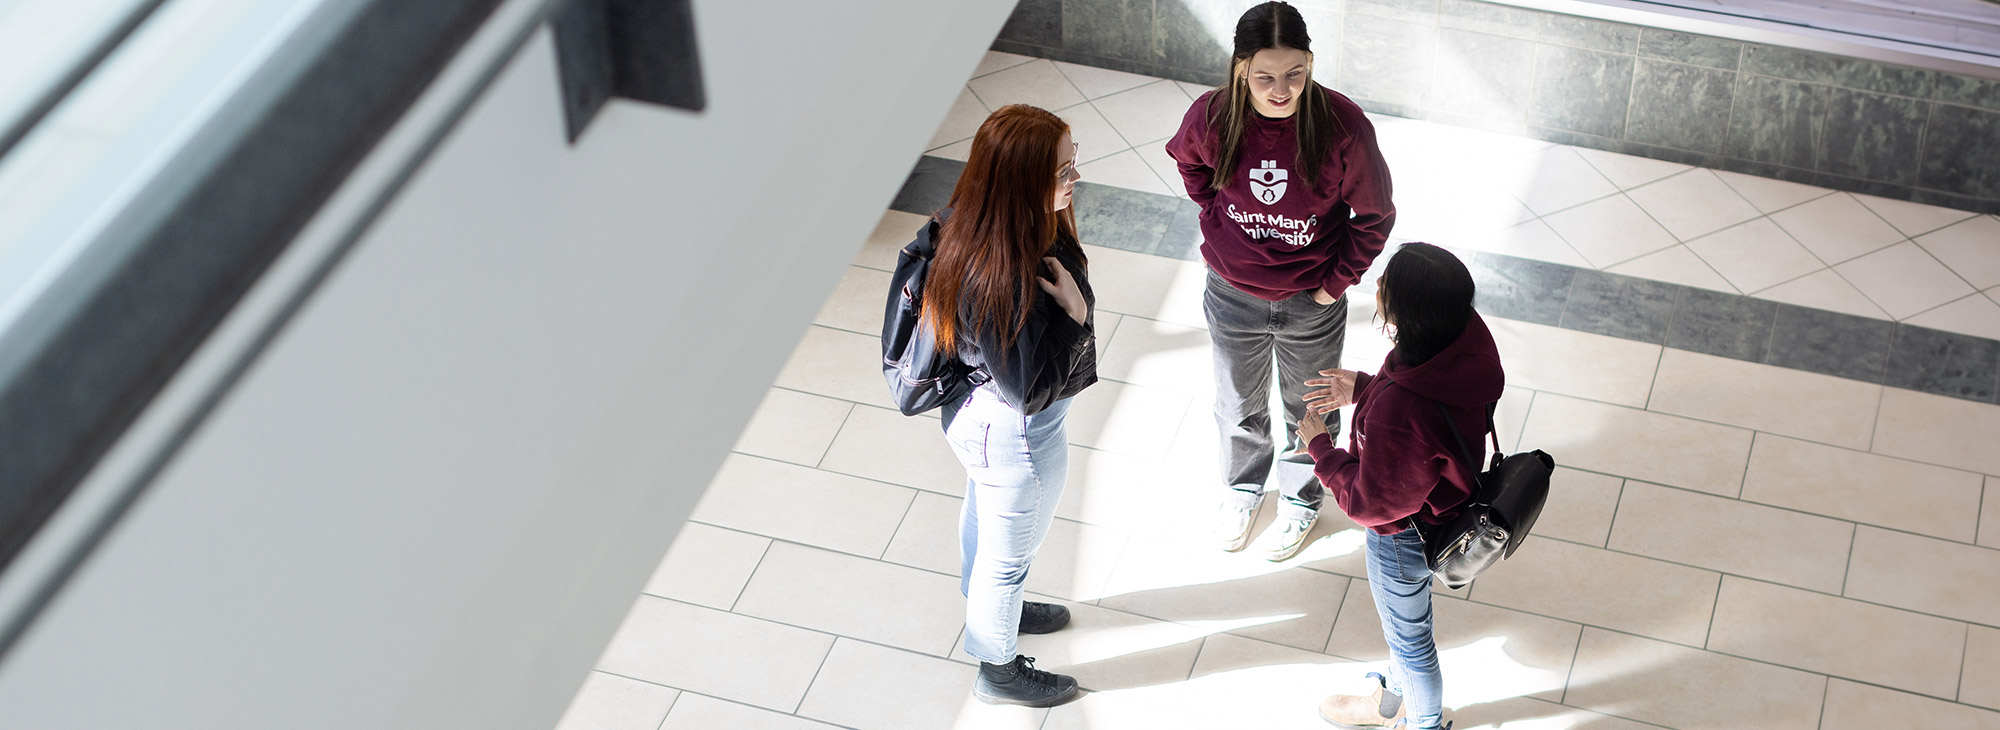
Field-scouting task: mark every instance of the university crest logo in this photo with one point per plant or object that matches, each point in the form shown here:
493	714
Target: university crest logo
1267	182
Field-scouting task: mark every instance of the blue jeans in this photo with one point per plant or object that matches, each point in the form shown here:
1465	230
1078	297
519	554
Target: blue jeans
1015	466
1401	582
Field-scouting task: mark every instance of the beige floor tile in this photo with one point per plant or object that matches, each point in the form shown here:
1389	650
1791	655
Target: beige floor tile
1163	164
961	122
1159	355
1654	447
1924	574
1151	111
1989	514
1980	683
1073	563
1838	636
1144	285
1125	169
1862	487
1036	83
1771	195
960	151
1904	280
1447	207
1968	248
1512	416
1938	430
869	687
791	502
1913	219
885	445
701	712
837	364
1095	82
1095	139
1189	581
1530	240
1129	419
1573	363
1755	255
1676	265
1837	228
1131	493
1628	171
1244	683
1682	687
1610	231
1975	314
1602	588
997	61
1489	653
891	234
1557	178
1527	712
1851	706
793	426
844	595
716	653
1580	507
1824	289
1730	536
1693	204
611	702
1153	707
1109	651
707	565
1769	398
857	301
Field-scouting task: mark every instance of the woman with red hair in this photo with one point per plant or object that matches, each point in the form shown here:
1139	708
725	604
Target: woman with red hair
1008	292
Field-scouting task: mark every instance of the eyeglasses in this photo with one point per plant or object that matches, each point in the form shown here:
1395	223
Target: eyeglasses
1070	169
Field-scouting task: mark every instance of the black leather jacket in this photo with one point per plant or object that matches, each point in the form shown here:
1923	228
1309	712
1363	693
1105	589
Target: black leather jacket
1054	357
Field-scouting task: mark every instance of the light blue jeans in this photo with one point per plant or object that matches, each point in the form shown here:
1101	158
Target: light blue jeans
1015	466
1401	582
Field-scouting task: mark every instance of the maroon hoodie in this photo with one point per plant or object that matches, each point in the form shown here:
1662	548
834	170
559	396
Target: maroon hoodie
1267	231
1401	444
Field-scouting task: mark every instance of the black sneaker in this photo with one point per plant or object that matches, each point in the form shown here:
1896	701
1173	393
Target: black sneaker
1042	618
1019	683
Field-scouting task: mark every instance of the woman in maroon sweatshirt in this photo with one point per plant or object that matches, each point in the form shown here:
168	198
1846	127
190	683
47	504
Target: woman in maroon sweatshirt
1295	205
1405	464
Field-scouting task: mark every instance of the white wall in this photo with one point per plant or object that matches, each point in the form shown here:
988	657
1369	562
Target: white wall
430	501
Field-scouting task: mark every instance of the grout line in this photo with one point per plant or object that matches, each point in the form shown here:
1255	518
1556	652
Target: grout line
1964	658
745	588
678	694
1714	607
1875	425
844	419
816	672
1847	566
1979	521
907	509
1575	651
1653	387
1826	691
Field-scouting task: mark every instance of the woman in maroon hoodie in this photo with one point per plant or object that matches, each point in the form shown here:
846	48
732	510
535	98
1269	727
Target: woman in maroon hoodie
1405	465
1295	205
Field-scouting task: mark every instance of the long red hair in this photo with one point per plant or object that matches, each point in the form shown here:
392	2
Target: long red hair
989	252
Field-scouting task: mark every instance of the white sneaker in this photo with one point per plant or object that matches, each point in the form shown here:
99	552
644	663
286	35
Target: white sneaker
1232	526
1284	537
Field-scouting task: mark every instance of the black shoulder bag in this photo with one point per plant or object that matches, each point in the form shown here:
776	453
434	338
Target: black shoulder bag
1494	520
920	377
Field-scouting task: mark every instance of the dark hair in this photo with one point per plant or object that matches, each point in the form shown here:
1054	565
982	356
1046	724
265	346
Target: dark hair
1270	25
1427	294
990	250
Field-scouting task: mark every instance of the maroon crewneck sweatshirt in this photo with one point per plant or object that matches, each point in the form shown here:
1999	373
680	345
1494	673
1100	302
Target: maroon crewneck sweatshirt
1270	233
1405	462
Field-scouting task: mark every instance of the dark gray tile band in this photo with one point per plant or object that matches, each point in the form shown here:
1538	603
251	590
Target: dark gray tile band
1682	317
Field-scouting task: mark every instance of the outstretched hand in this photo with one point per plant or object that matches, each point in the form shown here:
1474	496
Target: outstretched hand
1335	390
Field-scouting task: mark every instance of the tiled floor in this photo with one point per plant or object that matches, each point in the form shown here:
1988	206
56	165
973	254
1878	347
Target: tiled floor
1729	545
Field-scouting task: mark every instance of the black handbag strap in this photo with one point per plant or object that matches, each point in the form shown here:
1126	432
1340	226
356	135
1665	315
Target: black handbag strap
1463	451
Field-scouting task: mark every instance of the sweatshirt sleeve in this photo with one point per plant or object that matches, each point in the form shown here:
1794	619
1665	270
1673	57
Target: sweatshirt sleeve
1054	358
1365	187
1387	486
1190	148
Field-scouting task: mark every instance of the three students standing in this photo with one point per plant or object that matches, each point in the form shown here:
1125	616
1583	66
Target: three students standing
1296	205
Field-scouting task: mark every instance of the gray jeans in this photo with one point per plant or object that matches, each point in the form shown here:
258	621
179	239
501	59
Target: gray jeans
1246	332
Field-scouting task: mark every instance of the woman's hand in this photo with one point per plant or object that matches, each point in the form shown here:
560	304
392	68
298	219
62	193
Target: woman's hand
1065	291
1322	298
1337	391
1310	427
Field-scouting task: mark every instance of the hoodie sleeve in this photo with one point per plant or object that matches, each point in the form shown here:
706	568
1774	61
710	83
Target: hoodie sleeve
1385	487
1365	188
1054	358
1191	149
